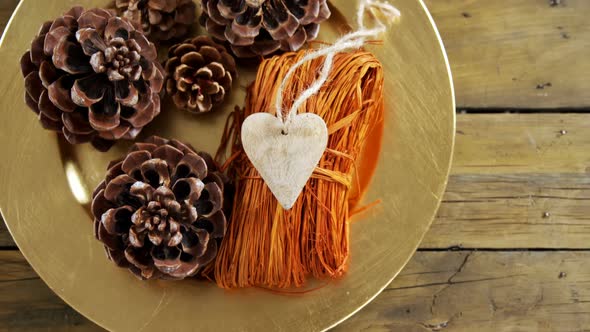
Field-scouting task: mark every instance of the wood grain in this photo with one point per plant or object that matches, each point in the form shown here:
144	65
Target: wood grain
454	291
513	211
6	9
504	53
516	53
27	304
5	238
503	211
517	182
521	143
509	169
483	291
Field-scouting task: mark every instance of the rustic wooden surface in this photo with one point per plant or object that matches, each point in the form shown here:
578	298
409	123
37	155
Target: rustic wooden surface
510	248
483	291
516	53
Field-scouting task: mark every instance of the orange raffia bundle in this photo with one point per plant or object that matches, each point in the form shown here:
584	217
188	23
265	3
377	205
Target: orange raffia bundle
268	246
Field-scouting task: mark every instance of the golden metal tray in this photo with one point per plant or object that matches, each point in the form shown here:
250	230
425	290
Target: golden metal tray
46	188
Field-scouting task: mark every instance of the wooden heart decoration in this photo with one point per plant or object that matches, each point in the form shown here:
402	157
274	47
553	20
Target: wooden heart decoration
285	161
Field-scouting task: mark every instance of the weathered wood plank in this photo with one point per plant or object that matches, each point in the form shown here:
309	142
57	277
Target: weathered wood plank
505	145
518	181
504	53
508	170
437	291
513	211
6	9
27	304
483	291
522	143
516	53
503	211
5	238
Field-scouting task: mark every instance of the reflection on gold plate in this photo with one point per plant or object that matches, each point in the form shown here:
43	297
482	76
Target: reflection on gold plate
46	187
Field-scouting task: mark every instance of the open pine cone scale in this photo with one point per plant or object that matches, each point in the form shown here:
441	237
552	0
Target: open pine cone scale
160	19
200	73
91	76
261	27
159	211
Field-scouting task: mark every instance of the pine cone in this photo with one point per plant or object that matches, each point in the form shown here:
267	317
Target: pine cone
159	211
261	27
199	74
160	19
91	76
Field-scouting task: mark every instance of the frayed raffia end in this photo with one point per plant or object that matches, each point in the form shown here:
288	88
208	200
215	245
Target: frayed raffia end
266	246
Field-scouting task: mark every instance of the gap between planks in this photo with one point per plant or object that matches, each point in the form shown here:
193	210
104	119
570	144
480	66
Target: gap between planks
483	291
506	53
516	53
483	284
454	290
518	181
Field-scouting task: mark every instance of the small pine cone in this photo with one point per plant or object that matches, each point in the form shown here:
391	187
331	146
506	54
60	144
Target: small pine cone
160	20
261	27
199	74
159	212
92	77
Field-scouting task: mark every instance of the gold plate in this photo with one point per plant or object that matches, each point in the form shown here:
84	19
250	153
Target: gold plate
46	187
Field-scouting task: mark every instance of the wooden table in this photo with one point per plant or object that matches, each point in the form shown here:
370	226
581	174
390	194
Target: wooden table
510	248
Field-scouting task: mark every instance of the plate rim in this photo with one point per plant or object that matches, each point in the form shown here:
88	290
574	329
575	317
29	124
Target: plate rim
447	175
447	171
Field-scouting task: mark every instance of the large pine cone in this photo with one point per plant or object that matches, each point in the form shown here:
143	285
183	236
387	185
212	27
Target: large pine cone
91	76
160	19
199	74
159	212
261	27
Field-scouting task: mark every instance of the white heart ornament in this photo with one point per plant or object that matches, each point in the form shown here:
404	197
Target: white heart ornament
285	161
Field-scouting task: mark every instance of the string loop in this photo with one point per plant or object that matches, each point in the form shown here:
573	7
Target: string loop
353	40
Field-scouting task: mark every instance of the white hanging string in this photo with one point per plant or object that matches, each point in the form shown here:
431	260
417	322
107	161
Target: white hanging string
352	40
